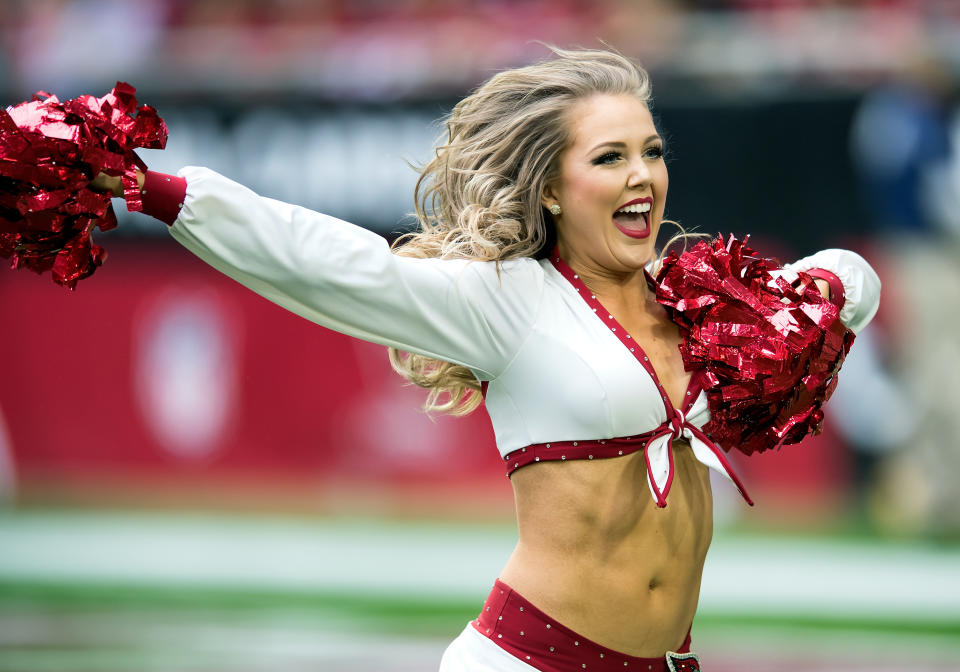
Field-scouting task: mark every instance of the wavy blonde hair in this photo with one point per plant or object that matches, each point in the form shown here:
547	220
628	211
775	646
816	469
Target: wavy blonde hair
479	197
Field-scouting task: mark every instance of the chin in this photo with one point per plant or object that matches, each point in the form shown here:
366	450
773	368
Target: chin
637	257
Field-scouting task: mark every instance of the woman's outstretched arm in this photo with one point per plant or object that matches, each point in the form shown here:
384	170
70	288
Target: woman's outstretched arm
346	278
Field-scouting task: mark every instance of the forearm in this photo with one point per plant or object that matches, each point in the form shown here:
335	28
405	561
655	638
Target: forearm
824	287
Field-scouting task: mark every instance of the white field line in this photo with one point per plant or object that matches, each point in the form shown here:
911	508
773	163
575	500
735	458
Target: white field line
750	576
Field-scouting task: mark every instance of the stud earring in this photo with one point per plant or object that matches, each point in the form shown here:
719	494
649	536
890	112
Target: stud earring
555	209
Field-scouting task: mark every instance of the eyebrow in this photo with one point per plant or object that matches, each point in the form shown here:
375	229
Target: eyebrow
618	144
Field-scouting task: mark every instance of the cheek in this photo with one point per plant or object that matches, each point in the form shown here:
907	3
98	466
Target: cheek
661	183
585	190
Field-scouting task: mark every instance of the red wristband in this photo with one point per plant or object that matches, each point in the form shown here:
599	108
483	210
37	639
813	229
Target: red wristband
836	287
163	196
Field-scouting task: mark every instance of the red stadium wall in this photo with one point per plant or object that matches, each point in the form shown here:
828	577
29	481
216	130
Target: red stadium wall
162	379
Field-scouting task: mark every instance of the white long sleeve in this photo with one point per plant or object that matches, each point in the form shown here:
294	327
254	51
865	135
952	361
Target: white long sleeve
861	285
344	277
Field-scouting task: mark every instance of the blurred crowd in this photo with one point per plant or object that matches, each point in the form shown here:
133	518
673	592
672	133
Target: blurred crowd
372	49
905	146
897	62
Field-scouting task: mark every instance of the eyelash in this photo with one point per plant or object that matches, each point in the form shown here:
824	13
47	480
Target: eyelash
657	151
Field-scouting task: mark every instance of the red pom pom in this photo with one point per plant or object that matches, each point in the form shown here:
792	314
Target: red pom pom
49	153
771	349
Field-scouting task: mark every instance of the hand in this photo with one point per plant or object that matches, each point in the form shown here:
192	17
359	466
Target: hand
104	182
823	286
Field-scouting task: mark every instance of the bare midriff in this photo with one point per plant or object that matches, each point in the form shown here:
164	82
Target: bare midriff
596	553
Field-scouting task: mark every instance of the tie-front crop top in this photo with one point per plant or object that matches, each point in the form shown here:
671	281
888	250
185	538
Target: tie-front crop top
563	380
684	422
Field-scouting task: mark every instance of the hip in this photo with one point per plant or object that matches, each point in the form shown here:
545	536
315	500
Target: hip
513	635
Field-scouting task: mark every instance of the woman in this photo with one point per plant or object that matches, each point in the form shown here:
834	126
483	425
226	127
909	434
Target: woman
592	408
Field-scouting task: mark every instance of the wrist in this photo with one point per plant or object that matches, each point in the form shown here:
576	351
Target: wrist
163	195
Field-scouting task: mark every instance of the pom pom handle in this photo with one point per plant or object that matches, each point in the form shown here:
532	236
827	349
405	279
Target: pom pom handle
49	153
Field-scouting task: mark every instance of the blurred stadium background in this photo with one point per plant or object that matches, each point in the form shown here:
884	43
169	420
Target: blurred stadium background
192	479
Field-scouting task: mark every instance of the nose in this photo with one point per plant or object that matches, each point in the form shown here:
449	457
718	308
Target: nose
639	173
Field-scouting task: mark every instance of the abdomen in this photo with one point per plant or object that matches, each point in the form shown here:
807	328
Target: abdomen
598	555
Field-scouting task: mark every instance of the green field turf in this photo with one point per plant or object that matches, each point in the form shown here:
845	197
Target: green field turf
103	592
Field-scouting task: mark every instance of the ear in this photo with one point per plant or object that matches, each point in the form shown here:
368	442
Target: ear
549	196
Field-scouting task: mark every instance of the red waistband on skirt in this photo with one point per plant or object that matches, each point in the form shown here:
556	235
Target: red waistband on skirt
526	633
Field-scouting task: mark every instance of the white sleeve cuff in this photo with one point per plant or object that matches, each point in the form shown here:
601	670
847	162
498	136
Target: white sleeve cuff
861	285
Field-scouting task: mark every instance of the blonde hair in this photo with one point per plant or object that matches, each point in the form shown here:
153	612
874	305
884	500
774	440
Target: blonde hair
479	197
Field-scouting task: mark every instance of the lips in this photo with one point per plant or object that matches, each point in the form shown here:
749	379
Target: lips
633	218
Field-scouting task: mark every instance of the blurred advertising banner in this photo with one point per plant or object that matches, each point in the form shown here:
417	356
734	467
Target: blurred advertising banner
161	375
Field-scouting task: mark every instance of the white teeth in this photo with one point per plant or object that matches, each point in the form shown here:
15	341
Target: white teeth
638	207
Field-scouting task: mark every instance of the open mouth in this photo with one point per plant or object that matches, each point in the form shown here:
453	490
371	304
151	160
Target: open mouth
633	219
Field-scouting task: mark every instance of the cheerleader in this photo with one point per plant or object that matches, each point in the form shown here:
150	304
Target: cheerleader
525	289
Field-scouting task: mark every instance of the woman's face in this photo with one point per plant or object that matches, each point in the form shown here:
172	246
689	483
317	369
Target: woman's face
614	160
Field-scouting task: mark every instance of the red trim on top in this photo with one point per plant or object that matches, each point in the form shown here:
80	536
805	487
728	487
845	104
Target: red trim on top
578	450
660	495
837	297
515	625
608	319
163	196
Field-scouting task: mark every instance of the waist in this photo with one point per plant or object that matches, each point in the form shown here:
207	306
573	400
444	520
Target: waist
516	625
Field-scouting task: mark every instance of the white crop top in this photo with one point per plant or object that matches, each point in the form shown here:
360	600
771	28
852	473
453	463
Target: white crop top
562	379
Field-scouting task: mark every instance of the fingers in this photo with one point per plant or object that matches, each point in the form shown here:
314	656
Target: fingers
104	182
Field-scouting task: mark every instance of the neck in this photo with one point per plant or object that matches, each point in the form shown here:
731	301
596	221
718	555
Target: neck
627	287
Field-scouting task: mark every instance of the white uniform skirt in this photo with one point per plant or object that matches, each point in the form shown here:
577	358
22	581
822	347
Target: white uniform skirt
473	652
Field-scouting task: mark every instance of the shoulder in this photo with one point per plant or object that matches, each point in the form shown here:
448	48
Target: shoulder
513	273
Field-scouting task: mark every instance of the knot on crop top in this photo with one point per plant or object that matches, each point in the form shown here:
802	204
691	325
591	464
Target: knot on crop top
657	447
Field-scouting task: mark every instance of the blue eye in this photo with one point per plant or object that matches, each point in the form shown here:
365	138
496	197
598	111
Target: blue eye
607	158
655	152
